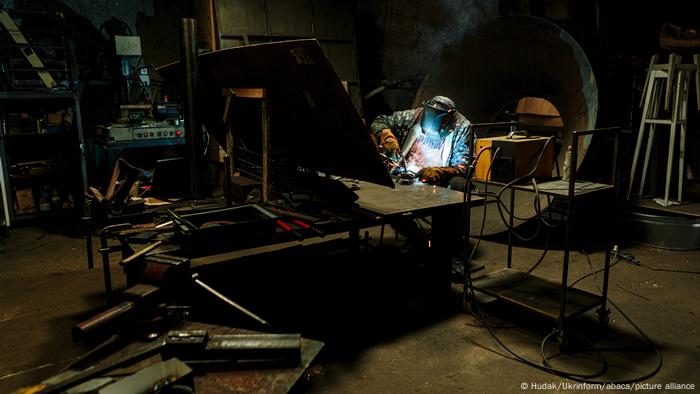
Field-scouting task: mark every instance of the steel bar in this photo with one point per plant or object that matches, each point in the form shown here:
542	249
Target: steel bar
229	301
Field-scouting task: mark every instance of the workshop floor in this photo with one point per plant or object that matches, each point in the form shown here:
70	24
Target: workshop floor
382	335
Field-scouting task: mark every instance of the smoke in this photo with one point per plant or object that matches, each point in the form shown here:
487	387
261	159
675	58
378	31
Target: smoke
445	22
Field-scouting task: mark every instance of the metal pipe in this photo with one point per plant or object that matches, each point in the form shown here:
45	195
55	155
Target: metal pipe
227	300
190	77
141	252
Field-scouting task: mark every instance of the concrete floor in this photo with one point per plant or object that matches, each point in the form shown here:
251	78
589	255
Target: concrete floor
381	334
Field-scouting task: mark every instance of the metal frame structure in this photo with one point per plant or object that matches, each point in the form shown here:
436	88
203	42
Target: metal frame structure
572	302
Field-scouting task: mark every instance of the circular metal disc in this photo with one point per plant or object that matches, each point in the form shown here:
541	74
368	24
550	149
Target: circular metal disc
511	57
508	58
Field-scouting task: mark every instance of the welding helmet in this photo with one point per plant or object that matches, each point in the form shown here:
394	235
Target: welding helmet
437	112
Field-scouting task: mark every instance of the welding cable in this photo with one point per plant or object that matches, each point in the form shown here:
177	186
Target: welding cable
545	250
667	270
651	343
538	207
501	206
514	181
497	195
516	357
616	259
464	195
557	372
466	264
468	291
467	184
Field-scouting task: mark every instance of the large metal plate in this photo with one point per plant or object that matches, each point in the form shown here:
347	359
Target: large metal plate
508	58
311	113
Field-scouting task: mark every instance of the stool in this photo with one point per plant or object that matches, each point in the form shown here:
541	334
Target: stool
669	82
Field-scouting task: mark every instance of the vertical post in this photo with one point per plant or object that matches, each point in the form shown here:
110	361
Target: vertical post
189	75
104	249
4	190
87	227
265	150
567	235
213	28
510	227
468	196
603	311
228	193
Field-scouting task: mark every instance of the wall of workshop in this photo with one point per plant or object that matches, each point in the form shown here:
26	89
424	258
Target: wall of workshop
399	40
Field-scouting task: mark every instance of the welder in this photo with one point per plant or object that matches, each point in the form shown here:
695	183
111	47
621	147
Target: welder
430	141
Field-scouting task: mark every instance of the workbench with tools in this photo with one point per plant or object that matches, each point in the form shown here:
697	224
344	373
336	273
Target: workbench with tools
161	260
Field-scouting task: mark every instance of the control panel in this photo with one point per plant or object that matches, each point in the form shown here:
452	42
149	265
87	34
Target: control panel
119	132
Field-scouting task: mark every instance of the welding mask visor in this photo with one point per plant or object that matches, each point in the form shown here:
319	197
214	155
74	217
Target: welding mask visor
437	112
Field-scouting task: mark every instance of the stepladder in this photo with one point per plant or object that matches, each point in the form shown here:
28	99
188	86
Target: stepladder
665	107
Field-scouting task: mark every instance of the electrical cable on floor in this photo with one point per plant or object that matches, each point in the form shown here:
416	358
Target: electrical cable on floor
632	260
633	293
668	270
586	378
468	287
469	293
615	261
639	330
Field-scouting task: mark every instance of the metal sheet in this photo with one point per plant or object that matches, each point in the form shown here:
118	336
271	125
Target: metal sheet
308	105
508	58
666	232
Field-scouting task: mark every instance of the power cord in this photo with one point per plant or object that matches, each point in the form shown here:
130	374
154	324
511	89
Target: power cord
545	366
639	330
629	258
501	206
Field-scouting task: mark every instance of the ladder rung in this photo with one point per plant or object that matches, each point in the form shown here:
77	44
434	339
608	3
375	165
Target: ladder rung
657	121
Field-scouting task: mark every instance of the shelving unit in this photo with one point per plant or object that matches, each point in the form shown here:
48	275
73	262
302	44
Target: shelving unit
41	136
551	299
39	157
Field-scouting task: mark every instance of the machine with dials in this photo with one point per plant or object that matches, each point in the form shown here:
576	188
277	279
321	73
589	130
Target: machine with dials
146	131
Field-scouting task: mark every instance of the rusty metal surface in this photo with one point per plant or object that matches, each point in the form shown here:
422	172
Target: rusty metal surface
416	198
222	379
508	58
266	380
306	96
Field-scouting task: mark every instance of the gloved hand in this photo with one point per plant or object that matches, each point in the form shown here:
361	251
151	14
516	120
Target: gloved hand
431	175
389	144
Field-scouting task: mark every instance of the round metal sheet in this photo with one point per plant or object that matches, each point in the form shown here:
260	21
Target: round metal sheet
508	58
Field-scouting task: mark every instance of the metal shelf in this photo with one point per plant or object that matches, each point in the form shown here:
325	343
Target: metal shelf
535	294
37	94
66	138
555	300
